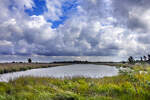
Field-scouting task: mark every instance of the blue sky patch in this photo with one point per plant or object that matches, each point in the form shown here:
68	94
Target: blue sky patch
68	8
38	9
56	23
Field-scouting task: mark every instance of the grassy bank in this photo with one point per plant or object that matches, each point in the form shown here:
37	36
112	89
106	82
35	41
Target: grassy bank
14	67
131	84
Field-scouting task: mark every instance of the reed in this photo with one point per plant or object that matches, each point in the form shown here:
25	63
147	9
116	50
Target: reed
129	85
14	67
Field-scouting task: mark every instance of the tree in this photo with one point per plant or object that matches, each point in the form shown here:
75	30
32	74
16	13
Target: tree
29	60
141	58
148	57
131	59
145	58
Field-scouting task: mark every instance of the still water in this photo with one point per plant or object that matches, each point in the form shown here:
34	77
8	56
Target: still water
78	70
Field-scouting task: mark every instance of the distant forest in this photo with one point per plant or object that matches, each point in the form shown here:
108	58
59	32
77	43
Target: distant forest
141	59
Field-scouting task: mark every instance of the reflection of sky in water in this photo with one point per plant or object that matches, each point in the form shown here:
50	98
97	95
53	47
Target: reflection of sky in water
86	70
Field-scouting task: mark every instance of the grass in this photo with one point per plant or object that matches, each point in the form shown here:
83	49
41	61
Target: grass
131	84
14	67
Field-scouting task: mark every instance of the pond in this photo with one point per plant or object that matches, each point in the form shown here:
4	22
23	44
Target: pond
77	70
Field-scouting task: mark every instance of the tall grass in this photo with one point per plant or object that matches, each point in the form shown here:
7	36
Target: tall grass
14	67
129	85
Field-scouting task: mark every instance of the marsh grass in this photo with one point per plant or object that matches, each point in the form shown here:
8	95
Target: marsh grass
14	67
108	88
129	85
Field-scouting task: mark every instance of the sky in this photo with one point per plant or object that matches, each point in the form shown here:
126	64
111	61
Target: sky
56	30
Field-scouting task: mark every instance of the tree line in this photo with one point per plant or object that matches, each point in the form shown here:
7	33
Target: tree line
142	59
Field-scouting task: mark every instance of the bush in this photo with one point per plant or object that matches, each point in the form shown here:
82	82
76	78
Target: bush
65	96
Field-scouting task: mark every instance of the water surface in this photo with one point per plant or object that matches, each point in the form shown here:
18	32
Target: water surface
84	70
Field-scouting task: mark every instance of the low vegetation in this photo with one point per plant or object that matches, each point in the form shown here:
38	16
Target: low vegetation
132	84
14	67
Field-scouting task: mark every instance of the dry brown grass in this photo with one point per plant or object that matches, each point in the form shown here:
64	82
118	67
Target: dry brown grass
13	67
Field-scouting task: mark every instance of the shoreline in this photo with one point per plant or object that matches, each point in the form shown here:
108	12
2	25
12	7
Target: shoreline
128	85
68	71
16	67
